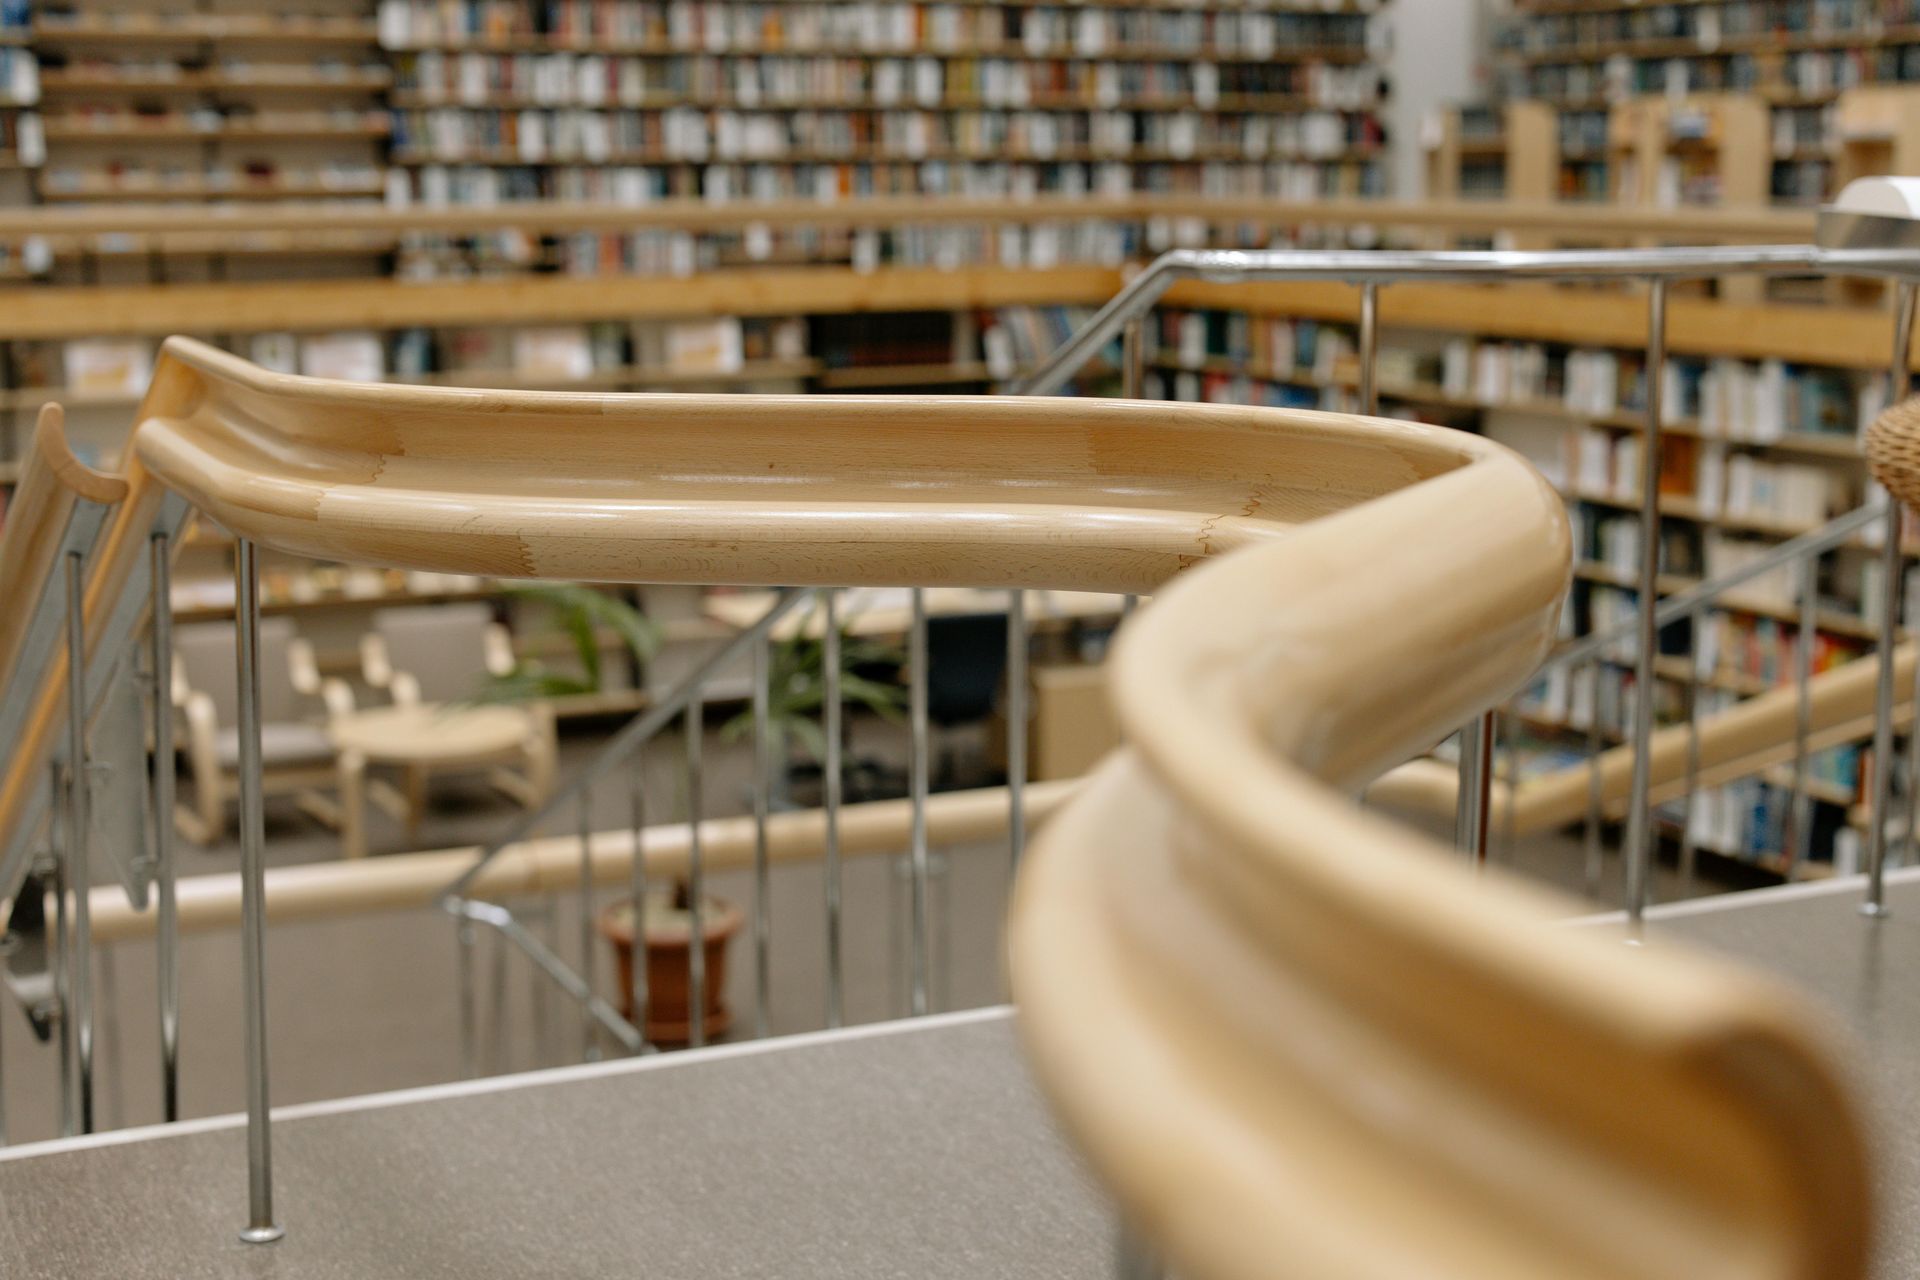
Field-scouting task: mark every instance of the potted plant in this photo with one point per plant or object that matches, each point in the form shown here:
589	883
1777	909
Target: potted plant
669	934
796	694
581	613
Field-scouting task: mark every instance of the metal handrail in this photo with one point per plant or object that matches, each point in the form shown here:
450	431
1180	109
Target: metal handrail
1835	533
1385	266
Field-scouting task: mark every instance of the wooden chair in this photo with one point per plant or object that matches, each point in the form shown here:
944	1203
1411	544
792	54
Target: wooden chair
442	654
298	757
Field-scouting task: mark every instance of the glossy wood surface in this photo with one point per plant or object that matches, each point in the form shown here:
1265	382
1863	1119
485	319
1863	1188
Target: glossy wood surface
1301	1041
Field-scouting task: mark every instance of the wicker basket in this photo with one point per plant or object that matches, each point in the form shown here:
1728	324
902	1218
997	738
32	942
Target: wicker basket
1893	450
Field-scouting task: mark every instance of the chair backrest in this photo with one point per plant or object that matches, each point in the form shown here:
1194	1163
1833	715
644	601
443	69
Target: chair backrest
966	656
205	652
442	646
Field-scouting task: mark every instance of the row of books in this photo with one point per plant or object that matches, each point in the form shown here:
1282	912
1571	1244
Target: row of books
1751	820
716	25
686	134
1735	485
1746	400
485	184
133	177
123	366
593	79
1707	25
1087	31
1809	72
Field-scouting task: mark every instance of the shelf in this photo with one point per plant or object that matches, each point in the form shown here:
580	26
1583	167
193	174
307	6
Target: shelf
1015	51
198	28
903	375
507	157
287	80
1728	45
172	132
211	191
1227	103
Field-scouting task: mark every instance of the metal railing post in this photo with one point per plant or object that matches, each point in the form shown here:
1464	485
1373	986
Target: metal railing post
1689	848
762	878
696	877
589	1036
261	1227
637	992
830	777
1133	359
166	931
917	786
76	851
1369	347
463	944
1801	849
1891	595
1017	725
1639	851
1593	860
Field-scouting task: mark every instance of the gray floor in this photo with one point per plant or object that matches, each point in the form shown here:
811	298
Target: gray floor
365	1005
920	1153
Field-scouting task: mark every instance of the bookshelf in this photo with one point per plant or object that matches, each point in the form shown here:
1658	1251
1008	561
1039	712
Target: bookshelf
1791	64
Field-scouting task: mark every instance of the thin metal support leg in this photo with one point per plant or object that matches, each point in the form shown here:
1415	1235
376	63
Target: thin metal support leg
1470	818
6	946
1689	847
1892	590
917	713
1133	359
696	880
261	1227
1369	348
589	1033
830	715
1802	847
1595	863
1639	851
497	1011
762	879
463	940
167	906
1017	725
76	851
112	1073
637	993
60	972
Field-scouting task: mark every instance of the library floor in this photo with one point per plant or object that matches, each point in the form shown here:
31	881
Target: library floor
360	1006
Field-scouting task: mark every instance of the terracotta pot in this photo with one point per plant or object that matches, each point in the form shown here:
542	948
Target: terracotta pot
669	998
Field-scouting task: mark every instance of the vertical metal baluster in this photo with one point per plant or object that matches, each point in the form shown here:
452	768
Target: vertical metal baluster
1017	724
830	717
539	987
696	880
762	877
77	851
637	993
1802	810
1689	849
1369	347
1892	591
1466	805
917	767
1595	864
112	1074
57	966
7	943
1133	359
167	907
261	1228
1913	765
497	1012
589	1030
463	944
1639	851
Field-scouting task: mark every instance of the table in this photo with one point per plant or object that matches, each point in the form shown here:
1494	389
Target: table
423	736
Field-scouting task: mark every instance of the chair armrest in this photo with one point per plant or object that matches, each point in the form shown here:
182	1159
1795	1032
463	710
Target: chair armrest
302	667
405	689
498	643
338	697
376	665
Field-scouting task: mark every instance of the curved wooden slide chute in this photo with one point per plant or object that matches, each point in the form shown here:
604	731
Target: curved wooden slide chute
1300	1041
1295	1038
